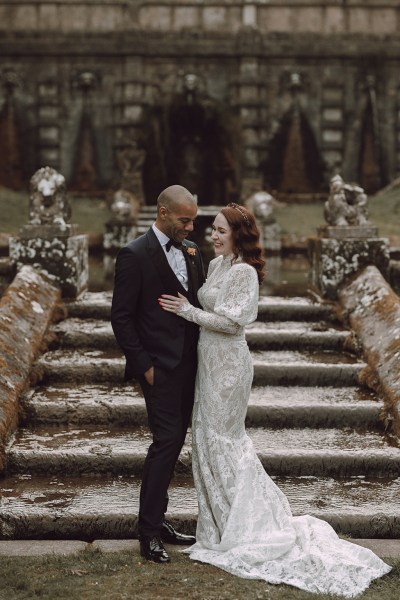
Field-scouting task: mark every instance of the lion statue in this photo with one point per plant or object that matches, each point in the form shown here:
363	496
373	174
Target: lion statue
48	203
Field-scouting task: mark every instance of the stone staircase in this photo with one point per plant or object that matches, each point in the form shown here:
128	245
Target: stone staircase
74	466
148	213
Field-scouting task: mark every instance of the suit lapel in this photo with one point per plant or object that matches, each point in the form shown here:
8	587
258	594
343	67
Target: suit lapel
167	275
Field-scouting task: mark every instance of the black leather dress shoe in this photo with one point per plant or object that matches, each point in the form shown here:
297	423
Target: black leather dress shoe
170	536
153	549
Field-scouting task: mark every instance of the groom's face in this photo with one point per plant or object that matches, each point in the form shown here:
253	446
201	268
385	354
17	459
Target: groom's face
178	220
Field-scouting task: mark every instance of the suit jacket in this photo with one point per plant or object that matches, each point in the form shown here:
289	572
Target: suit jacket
148	335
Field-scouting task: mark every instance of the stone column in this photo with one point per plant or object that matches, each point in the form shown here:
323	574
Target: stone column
248	95
48	242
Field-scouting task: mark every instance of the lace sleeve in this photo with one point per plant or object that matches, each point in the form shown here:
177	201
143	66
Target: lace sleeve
236	304
238	297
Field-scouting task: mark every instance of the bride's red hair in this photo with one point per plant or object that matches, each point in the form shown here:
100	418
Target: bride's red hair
245	237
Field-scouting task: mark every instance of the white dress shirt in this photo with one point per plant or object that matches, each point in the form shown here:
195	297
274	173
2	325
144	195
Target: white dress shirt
175	258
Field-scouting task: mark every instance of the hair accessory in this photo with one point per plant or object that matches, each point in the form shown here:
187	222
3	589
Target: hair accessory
240	209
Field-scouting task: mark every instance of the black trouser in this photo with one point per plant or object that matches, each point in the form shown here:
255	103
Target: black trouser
169	405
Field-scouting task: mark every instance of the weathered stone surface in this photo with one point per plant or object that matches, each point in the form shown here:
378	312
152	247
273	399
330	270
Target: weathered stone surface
117	235
373	309
349	232
88	451
26	310
93	508
383	548
47	232
76	429
40	547
115	545
65	259
331	37
269	406
334	261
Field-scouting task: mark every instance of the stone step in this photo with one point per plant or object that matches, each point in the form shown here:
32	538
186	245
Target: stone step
91	305
96	333
275	308
295	452
92	507
282	335
270	368
209	210
269	406
97	305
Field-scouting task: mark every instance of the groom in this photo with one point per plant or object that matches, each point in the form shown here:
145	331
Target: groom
160	350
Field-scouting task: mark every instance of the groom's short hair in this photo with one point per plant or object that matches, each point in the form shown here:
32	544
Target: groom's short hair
174	194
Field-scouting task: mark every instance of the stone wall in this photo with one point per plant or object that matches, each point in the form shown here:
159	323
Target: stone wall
377	17
120	68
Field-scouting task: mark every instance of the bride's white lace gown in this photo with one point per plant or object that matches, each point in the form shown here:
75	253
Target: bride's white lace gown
245	524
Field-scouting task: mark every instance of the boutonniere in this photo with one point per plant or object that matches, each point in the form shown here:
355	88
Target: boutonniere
191	251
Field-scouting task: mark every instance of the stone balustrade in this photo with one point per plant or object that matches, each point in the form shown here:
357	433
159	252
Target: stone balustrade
26	311
373	311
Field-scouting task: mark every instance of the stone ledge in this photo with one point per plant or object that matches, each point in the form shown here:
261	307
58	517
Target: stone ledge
40	547
373	310
385	548
26	310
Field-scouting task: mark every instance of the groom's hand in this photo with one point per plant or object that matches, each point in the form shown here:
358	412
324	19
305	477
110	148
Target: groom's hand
149	376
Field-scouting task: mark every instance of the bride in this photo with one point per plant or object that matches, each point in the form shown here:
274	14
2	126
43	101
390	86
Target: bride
245	525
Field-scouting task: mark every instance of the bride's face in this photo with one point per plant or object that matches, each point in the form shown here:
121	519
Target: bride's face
221	236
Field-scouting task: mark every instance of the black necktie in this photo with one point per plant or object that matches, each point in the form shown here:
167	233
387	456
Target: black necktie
173	243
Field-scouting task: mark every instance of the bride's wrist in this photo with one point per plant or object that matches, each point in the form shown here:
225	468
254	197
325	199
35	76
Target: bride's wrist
184	307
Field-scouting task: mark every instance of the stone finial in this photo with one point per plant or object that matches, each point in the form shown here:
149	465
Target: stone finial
125	206
122	227
191	81
262	204
346	204
48	202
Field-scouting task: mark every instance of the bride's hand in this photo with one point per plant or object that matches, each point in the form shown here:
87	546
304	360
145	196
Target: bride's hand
172	303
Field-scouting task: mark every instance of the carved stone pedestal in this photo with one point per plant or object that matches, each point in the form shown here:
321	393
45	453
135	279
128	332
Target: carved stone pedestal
270	238
348	232
118	234
57	250
333	261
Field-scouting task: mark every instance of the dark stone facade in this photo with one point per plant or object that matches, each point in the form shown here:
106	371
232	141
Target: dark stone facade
284	94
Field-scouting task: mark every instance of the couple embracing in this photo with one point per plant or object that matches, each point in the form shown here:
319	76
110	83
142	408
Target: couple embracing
183	339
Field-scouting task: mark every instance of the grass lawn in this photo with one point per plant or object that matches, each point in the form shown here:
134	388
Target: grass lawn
299	220
94	575
89	213
303	219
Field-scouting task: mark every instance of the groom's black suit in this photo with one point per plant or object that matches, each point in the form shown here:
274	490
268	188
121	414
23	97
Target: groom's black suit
152	337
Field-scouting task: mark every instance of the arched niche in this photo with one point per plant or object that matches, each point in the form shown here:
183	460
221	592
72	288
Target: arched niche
294	164
195	144
370	172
